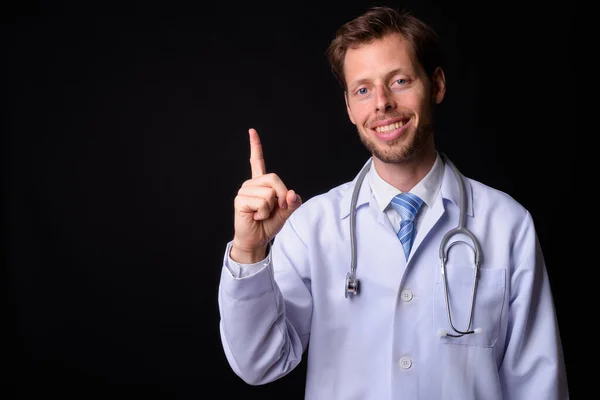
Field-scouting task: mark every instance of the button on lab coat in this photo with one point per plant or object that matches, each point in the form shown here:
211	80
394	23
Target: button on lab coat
385	343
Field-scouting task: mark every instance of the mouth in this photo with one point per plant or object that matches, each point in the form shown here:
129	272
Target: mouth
390	129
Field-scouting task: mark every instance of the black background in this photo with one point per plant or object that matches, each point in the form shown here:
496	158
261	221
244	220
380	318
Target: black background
125	141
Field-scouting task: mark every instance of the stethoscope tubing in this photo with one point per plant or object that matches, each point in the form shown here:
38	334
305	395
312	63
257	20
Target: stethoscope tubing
352	283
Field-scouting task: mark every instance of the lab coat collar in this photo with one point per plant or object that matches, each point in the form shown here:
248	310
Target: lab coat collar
449	190
364	196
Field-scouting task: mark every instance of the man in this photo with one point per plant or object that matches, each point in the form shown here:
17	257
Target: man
417	326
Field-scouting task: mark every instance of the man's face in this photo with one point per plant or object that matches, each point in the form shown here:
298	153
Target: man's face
390	99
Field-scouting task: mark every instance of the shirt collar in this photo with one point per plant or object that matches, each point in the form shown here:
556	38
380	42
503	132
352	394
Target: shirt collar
427	189
439	179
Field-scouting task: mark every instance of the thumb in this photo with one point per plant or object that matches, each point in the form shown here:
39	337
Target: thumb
294	201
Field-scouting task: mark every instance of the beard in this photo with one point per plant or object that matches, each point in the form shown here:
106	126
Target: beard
399	150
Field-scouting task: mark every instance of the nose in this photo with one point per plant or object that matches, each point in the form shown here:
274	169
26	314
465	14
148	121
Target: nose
385	99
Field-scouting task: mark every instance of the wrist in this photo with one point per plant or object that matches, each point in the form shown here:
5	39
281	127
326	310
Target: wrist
243	255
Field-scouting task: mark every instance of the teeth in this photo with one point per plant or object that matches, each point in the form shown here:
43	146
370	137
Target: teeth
389	127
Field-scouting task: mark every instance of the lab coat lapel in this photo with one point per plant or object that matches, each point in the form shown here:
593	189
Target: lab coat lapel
431	218
379	254
449	190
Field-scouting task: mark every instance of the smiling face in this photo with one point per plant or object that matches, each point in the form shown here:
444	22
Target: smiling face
390	99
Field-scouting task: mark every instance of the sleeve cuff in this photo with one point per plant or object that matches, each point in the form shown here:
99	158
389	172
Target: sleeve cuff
240	271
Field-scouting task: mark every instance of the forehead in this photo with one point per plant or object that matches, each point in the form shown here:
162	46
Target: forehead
377	58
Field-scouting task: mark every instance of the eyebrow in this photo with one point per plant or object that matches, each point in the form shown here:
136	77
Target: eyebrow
389	74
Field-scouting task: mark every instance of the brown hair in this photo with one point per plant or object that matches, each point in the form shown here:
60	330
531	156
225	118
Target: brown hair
376	23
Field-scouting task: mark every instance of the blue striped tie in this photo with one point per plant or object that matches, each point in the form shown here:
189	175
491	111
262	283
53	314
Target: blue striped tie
407	205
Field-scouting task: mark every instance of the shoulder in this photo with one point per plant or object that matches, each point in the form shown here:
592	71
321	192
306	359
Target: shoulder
325	204
321	210
500	208
495	199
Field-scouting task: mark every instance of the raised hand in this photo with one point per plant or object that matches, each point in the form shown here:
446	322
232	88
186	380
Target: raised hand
262	206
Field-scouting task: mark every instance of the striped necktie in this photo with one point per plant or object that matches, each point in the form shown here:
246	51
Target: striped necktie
407	205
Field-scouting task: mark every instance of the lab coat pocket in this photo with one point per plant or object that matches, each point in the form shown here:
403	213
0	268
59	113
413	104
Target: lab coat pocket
487	308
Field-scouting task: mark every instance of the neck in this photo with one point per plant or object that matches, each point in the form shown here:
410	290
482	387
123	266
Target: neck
406	174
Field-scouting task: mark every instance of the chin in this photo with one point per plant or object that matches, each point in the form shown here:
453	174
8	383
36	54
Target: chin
393	152
392	157
400	150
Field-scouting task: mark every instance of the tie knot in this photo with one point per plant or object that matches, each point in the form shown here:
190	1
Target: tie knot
407	205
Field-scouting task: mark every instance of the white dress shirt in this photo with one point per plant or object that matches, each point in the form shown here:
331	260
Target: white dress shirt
384	343
427	189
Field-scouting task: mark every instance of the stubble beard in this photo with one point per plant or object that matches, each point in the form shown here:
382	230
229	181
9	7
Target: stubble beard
399	150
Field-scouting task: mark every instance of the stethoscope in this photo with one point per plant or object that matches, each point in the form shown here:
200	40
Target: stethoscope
352	283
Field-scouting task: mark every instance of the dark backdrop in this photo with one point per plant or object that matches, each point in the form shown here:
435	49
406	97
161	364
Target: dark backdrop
125	141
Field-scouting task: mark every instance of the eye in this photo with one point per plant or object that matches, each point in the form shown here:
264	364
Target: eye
401	81
362	91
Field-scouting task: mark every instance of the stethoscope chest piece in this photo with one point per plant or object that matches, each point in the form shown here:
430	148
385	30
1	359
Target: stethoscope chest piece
352	285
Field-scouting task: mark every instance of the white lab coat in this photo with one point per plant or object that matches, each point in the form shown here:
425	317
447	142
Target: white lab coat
385	344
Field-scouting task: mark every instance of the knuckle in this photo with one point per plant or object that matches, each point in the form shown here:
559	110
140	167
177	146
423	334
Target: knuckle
250	182
241	191
237	202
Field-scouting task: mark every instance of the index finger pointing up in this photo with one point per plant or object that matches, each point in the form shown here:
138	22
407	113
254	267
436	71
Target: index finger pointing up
257	162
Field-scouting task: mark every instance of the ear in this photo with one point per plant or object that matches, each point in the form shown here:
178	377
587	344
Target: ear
348	108
438	85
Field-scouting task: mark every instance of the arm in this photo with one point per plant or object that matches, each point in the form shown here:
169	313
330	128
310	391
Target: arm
533	365
260	342
265	323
